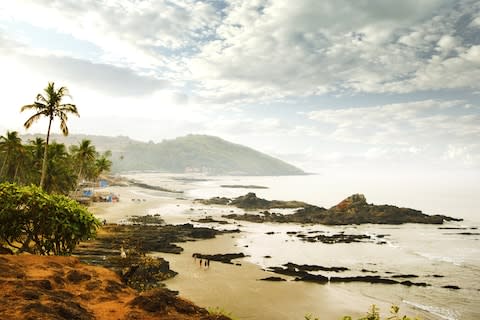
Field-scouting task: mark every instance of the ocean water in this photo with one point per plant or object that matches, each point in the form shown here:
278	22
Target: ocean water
438	256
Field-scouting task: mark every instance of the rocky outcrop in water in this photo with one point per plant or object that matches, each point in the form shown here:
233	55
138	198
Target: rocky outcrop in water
250	201
352	210
303	273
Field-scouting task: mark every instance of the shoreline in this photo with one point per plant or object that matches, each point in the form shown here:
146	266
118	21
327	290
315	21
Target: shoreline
242	294
230	287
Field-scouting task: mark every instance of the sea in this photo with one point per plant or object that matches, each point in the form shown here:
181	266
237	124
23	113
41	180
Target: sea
439	255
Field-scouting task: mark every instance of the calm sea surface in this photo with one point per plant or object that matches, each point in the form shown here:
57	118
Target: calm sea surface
438	256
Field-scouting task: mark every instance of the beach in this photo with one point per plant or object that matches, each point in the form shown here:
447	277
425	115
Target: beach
238	289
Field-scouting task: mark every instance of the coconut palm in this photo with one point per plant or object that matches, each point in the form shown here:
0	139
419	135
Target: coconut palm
12	150
85	155
50	106
103	164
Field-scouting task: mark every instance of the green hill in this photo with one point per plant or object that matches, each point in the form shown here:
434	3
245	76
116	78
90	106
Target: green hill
192	153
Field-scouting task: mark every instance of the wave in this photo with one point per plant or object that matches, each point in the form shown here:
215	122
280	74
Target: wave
443	313
455	261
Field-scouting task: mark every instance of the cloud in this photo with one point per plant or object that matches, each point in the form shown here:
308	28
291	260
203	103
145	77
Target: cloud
274	50
251	51
129	32
421	129
109	79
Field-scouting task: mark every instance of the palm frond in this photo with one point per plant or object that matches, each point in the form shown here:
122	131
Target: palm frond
32	119
28	107
70	108
63	126
41	98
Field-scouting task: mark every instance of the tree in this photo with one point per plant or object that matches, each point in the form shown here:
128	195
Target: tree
50	106
103	164
13	155
85	154
61	177
34	221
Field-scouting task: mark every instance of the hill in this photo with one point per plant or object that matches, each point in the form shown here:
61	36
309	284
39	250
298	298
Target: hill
191	153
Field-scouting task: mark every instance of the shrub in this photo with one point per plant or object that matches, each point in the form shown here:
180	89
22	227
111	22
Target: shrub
34	221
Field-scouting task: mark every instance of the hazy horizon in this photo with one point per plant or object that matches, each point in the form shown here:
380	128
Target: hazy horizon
385	91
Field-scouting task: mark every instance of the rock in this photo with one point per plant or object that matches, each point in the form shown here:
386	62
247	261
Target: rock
352	210
224	258
336	238
75	276
309	267
453	287
274	279
250	201
210	220
368	279
404	276
215	200
418	284
313	278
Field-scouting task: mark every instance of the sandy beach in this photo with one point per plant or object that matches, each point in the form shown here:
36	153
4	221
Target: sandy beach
237	289
438	256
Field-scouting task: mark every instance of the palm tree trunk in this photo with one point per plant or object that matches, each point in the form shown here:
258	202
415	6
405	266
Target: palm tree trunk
3	165
45	155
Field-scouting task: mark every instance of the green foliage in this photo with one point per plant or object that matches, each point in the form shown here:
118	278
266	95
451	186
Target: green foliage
374	314
22	163
217	311
34	221
49	105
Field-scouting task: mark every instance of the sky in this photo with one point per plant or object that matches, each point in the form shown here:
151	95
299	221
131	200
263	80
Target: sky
381	87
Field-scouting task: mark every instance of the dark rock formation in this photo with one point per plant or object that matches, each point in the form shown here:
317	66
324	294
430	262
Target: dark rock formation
453	287
136	269
147	219
336	238
352	210
309	267
274	279
250	201
210	220
224	258
215	200
301	273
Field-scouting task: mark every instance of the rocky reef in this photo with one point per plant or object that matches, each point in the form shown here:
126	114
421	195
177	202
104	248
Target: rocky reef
352	210
135	268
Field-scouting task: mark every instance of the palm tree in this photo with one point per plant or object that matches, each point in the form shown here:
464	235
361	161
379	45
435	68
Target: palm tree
12	149
103	164
85	154
50	106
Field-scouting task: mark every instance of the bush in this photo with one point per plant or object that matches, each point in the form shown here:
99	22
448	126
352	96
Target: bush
34	221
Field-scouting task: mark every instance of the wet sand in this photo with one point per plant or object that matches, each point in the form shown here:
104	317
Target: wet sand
238	290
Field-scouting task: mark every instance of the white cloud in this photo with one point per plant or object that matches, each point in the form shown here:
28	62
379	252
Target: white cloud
422	128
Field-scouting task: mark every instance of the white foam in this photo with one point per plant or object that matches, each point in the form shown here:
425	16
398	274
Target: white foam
438	258
437	311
